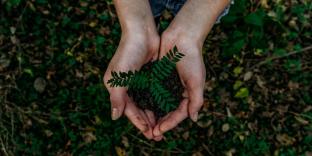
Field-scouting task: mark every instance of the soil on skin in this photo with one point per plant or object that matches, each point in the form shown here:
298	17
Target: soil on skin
144	99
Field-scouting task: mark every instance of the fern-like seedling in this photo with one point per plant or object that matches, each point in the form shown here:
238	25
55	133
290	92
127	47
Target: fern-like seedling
152	81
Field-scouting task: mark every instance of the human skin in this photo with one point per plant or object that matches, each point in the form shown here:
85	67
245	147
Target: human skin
188	31
140	44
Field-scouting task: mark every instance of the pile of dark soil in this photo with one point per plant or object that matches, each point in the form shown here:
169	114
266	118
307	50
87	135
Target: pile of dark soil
144	99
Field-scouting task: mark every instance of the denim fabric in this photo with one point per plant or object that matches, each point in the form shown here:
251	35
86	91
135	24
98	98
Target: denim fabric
158	6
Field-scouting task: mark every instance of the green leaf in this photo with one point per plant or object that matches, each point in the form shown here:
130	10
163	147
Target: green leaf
234	48
12	3
42	1
256	18
100	40
279	52
293	65
66	20
29	71
237	70
238	34
242	93
237	84
15	2
175	49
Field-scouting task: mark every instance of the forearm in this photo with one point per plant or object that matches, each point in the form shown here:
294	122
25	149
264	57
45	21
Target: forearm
198	16
135	15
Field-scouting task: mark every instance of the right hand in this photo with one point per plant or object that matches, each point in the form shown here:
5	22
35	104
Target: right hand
191	70
133	52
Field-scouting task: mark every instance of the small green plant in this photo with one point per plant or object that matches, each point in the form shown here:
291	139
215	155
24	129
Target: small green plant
151	79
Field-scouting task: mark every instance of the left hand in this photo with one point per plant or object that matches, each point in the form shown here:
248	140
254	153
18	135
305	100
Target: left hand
188	31
191	70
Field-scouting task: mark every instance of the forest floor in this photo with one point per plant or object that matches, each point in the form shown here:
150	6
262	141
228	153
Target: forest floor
258	93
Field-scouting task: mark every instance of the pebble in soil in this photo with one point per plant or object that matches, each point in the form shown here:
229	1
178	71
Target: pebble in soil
144	99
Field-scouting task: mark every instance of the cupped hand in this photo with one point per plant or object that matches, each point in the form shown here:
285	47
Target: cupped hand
133	51
187	31
191	70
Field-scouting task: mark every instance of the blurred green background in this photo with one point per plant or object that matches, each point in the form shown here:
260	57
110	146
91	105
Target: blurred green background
53	54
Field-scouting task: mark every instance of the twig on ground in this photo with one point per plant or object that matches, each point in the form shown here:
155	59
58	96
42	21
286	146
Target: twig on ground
282	56
301	115
207	149
3	148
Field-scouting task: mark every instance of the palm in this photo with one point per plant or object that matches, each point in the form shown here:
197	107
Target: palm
191	70
125	59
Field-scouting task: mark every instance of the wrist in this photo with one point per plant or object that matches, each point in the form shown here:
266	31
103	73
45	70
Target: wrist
184	41
140	30
197	17
145	41
185	35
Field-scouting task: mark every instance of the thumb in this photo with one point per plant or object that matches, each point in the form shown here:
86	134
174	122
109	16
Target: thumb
196	102
118	98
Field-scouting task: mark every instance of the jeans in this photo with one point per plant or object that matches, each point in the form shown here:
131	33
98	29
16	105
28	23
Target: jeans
158	6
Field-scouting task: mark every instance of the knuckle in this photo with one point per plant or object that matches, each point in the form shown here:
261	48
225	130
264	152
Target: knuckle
196	103
115	100
112	99
194	86
106	77
182	108
201	101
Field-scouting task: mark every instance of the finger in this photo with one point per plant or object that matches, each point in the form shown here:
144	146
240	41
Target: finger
164	118
173	119
196	102
156	131
152	120
151	117
118	98
185	94
149	133
133	114
167	43
158	138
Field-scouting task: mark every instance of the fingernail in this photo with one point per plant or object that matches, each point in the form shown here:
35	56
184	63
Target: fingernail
195	117
158	138
157	133
115	114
